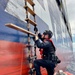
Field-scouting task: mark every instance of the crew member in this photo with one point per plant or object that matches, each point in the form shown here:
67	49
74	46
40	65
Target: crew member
49	60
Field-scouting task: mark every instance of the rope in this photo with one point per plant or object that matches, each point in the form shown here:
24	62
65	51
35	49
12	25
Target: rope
31	59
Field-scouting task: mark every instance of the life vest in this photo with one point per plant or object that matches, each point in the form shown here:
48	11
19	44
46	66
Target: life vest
41	50
52	43
52	56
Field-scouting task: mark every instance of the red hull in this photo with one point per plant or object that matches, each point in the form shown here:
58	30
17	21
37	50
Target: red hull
13	59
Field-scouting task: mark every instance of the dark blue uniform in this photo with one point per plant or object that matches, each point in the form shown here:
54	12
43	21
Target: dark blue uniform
48	60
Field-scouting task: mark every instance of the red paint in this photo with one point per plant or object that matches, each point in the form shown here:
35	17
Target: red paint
11	59
68	73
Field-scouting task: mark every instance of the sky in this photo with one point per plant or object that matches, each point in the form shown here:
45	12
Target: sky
71	13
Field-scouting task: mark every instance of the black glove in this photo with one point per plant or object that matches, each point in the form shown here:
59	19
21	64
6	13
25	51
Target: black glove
33	38
35	29
39	35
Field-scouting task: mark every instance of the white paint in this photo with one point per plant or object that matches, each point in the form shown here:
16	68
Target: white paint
15	8
71	14
43	14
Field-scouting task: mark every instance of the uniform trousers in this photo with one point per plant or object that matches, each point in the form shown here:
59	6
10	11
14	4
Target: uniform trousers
46	64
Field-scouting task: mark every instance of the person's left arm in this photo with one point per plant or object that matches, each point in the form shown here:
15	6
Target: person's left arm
42	44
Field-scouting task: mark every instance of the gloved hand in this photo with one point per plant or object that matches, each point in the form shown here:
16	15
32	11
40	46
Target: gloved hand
35	37
39	35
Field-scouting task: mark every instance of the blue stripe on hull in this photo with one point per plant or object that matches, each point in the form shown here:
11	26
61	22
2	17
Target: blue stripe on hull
11	34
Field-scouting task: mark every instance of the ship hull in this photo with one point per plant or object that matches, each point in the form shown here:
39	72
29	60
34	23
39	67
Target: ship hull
13	52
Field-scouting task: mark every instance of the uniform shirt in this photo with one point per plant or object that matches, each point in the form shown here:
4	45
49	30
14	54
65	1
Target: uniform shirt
46	46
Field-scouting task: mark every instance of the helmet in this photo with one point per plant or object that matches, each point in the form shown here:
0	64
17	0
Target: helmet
48	32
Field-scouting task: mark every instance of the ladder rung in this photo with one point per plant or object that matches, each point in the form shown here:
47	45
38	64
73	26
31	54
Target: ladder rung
33	57
30	21
30	2
30	10
19	28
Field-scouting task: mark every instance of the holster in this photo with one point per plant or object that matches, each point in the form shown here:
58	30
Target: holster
52	57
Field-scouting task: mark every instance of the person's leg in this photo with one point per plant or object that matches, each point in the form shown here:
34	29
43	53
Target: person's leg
38	63
50	67
37	67
44	63
50	71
